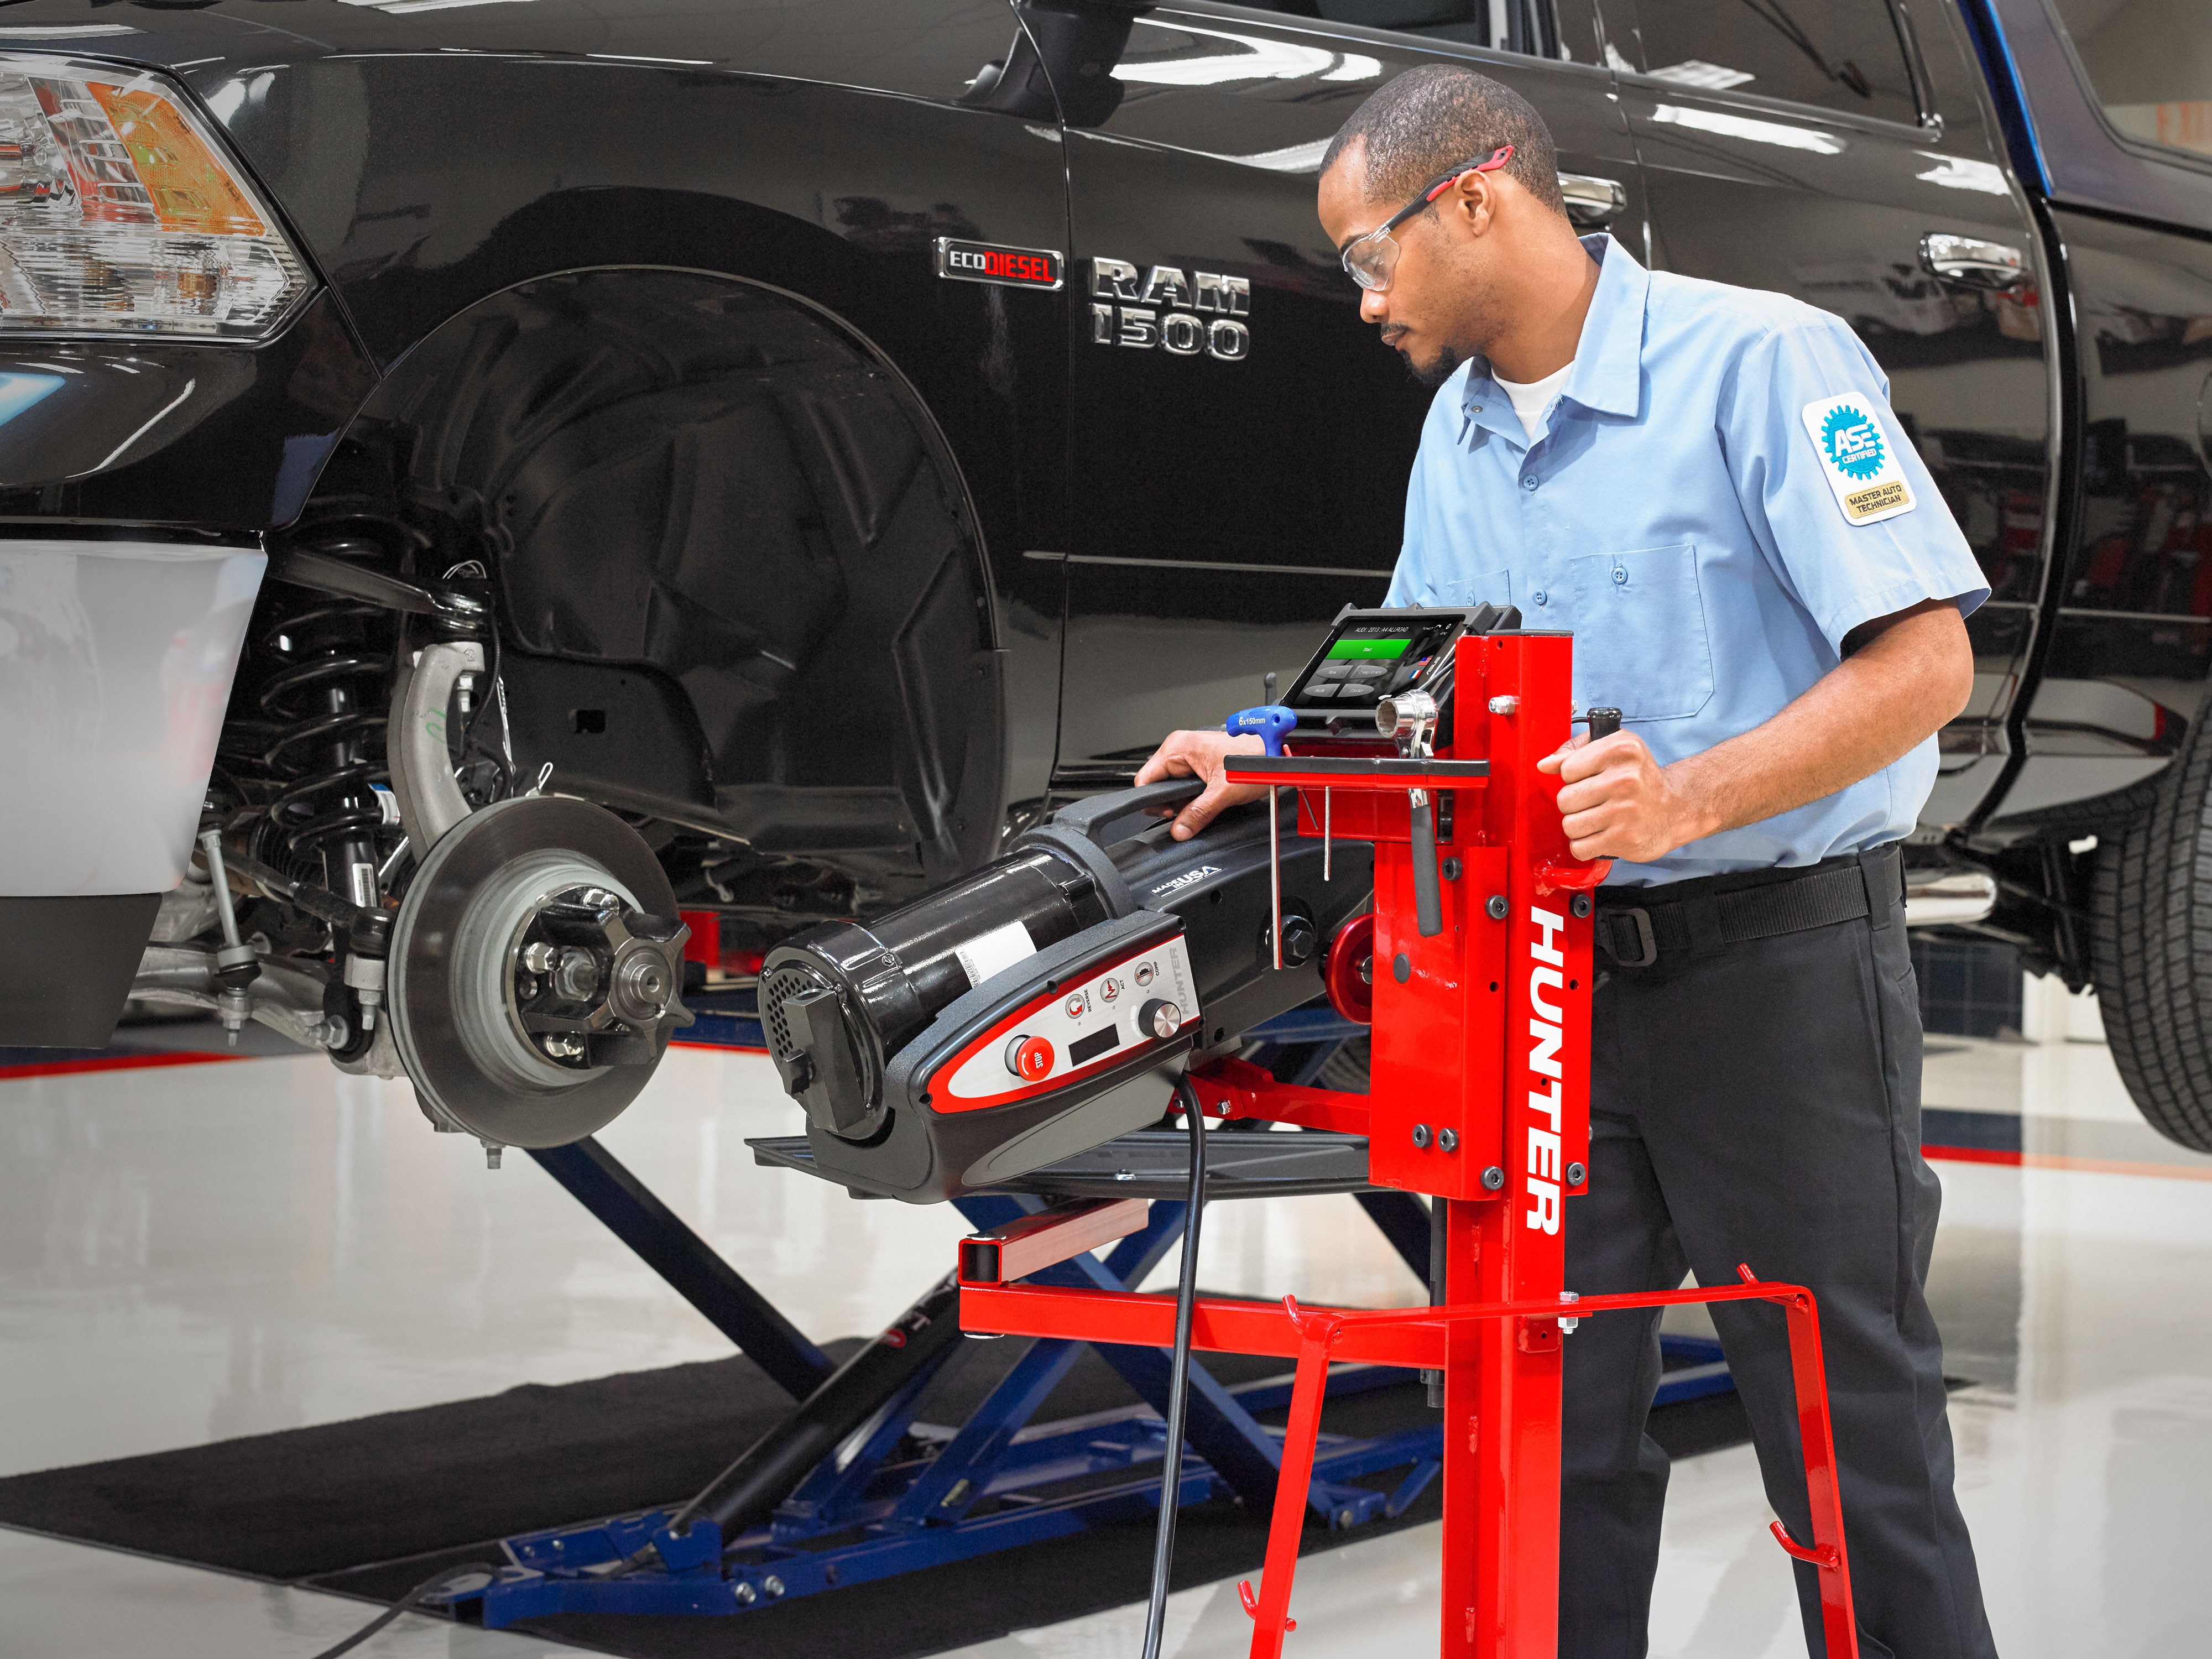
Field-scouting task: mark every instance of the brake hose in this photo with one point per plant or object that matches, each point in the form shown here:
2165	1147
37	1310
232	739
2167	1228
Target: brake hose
1178	1375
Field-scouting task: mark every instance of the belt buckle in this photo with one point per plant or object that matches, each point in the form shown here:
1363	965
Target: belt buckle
1647	945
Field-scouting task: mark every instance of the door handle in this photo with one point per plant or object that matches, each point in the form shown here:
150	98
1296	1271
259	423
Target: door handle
1971	262
1591	201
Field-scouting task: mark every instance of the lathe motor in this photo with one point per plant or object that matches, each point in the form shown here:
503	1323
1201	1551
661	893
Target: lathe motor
1041	1006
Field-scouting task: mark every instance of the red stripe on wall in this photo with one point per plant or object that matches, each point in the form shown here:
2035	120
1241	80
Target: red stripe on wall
112	1063
2060	1161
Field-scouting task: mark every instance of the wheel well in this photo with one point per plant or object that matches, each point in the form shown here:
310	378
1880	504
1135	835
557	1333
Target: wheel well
741	589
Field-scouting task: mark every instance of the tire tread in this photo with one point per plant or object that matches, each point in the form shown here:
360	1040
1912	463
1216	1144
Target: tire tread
2152	944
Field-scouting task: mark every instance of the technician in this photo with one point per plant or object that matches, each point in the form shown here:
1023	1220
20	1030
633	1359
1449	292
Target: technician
1707	486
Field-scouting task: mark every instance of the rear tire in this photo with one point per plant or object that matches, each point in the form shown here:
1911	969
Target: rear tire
2152	949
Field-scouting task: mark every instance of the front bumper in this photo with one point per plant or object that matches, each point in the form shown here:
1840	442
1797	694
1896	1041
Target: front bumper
116	660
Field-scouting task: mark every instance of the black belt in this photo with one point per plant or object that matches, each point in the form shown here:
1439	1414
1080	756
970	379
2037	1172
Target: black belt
1706	915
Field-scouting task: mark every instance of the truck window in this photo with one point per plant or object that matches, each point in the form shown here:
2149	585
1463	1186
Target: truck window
1841	55
2150	63
1562	29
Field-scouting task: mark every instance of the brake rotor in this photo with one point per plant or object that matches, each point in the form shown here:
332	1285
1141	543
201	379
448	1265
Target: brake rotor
535	972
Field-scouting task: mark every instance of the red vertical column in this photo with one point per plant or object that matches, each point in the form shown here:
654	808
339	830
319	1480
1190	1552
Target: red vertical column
1502	1379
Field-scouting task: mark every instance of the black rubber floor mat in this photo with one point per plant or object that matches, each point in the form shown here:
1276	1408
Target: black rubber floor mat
375	1505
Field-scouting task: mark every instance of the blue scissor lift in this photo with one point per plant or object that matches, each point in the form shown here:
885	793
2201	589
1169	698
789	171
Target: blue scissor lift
896	1495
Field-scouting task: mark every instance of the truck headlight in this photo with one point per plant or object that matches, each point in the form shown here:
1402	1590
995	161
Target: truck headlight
121	214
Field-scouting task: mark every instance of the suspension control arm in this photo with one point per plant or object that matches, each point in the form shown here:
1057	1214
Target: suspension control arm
430	801
283	999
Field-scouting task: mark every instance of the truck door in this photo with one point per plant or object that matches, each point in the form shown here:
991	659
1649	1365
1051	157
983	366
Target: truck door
1240	439
1815	147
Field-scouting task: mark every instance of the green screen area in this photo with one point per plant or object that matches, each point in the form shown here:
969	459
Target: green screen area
1368	650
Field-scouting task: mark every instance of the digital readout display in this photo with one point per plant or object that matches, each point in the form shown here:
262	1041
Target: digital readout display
1013	267
1090	1047
1367	650
1368	661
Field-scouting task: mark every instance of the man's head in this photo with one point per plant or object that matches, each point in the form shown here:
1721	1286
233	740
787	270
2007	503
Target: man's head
1463	260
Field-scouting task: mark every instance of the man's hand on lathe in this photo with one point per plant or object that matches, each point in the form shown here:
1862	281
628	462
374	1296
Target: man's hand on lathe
1901	678
1202	755
1619	802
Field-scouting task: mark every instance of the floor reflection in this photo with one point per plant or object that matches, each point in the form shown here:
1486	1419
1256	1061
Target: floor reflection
198	1252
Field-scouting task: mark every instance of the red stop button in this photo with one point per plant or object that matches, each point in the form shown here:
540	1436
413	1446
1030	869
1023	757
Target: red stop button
1030	1058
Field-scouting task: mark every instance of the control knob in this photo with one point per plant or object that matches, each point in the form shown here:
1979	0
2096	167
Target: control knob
1158	1018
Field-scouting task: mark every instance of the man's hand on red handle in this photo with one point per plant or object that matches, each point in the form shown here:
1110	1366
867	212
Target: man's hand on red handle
1618	802
1203	755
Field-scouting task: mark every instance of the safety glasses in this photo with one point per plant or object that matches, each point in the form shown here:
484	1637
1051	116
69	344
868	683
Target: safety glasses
1370	260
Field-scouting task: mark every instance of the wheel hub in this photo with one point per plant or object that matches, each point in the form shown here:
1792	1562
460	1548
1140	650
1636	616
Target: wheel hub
593	977
536	973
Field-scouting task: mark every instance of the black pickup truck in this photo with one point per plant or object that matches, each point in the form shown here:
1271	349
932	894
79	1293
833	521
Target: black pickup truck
825	432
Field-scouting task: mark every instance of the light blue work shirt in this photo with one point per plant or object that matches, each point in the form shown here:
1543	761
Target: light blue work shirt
1676	511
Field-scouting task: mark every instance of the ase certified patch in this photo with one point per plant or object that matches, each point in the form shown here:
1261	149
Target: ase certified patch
1858	459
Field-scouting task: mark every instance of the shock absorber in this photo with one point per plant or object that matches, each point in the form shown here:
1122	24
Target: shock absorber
315	757
311	757
326	704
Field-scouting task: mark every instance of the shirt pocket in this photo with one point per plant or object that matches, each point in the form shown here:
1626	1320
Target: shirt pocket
1640	638
1491	588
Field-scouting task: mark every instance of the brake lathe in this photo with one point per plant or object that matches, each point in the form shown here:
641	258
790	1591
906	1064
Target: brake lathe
1085	984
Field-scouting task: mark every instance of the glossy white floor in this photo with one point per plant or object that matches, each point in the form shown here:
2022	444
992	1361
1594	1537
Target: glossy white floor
198	1252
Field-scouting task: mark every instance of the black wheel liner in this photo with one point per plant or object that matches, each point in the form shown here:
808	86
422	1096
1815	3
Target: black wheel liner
466	856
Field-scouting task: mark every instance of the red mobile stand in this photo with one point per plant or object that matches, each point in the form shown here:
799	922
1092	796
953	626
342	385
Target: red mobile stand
1479	1095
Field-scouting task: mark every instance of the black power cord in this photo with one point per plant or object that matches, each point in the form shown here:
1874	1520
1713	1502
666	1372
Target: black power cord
1178	1375
446	1579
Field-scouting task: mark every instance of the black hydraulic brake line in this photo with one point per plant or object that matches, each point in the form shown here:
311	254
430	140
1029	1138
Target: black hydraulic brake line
1155	1610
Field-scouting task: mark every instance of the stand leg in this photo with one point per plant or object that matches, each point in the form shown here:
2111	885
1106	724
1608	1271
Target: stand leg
1837	1622
1271	1611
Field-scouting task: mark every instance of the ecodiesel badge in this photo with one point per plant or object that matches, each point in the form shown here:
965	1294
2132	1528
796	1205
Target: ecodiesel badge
1858	459
1008	267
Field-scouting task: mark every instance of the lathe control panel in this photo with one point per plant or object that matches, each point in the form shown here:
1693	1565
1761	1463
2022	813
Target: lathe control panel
1077	1026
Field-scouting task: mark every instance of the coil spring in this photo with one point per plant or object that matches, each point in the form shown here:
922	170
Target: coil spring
325	658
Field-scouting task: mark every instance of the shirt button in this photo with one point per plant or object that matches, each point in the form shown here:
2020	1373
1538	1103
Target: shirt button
1538	595
1620	575
1528	483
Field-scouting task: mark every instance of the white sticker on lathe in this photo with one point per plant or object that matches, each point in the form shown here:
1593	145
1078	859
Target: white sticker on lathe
994	952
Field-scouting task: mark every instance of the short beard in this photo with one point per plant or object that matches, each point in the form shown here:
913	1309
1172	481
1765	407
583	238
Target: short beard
1439	369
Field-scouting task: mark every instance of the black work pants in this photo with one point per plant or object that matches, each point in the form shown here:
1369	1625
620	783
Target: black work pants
1759	1103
